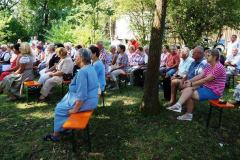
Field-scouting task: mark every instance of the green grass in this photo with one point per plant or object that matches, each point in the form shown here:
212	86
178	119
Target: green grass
119	131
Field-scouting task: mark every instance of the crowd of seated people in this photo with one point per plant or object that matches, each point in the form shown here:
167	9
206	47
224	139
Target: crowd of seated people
189	71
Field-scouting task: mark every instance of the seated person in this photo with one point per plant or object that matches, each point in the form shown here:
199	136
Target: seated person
55	77
113	54
49	52
82	94
99	68
120	67
208	85
15	63
233	62
195	68
5	56
136	61
164	55
11	84
172	63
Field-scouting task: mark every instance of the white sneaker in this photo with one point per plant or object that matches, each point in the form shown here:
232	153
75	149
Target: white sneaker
175	108
185	117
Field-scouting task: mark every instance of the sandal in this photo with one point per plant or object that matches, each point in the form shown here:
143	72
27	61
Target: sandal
176	108
51	137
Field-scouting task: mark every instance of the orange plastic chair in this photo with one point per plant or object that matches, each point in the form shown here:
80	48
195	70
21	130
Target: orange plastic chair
79	121
28	84
218	106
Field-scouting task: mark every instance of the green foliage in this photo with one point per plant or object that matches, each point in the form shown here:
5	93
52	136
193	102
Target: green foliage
60	32
196	19
141	16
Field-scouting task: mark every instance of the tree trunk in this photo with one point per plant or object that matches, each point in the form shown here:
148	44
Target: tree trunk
150	103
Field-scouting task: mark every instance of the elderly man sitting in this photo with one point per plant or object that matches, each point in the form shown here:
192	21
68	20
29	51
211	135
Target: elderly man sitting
194	69
233	62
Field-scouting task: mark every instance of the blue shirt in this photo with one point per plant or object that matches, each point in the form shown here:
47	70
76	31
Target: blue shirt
184	66
84	87
196	68
99	68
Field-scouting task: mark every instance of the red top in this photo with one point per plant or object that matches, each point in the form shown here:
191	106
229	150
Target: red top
173	59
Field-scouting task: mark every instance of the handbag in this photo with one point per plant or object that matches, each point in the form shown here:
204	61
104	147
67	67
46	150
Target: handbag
67	77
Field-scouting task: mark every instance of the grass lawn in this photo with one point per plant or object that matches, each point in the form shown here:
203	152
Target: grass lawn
119	131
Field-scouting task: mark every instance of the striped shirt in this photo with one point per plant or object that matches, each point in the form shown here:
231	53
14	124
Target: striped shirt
136	59
218	72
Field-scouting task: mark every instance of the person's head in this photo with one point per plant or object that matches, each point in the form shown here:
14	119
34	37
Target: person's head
113	49
213	56
173	49
25	48
198	53
165	49
95	52
77	47
146	49
68	45
62	52
58	45
83	57
234	51
51	48
234	38
131	49
139	50
16	48
184	52
121	48
35	37
4	47
100	45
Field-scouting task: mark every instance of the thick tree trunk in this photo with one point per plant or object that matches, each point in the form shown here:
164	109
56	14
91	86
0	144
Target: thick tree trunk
150	103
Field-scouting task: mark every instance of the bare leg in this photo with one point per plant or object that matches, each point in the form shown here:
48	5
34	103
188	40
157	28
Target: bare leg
174	86
190	102
187	93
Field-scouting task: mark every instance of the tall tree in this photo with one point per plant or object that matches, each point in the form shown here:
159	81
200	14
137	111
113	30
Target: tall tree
193	20
150	103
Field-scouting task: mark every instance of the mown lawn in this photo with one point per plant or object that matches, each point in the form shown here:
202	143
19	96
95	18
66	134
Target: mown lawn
119	131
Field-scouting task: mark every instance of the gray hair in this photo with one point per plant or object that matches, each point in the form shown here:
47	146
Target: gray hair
112	46
146	47
215	52
200	48
86	54
186	50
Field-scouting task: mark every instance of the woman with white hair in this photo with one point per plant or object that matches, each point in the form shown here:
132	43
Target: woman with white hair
82	94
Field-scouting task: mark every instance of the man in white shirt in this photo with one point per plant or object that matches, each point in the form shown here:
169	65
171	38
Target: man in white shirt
233	62
232	44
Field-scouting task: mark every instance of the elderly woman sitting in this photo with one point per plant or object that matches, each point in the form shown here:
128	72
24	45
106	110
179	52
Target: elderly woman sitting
55	77
82	94
208	85
11	84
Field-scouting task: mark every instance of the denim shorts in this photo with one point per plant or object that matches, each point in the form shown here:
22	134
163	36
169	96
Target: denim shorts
205	93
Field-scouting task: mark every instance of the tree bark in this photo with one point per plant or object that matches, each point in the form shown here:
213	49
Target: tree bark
151	103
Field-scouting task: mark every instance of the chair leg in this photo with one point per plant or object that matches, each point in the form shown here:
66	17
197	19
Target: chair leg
103	99
220	117
88	139
26	89
209	116
62	88
73	142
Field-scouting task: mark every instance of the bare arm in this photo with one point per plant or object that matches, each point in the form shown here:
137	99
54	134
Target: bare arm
76	107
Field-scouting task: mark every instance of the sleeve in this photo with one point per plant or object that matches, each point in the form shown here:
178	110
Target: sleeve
82	86
7	57
217	71
24	60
